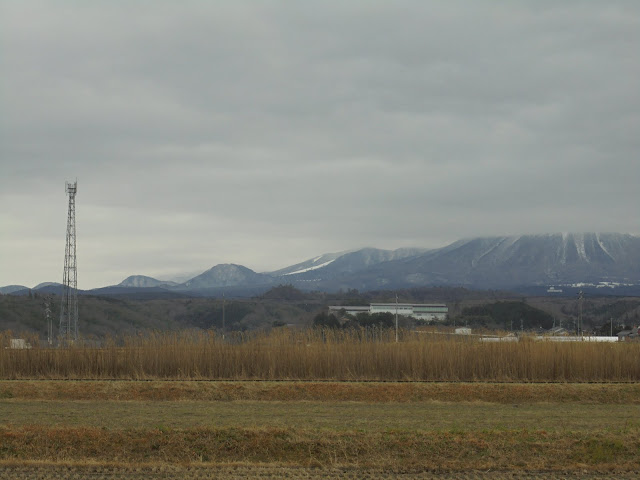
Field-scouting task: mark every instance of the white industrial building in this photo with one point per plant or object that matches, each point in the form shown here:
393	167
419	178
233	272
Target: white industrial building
419	311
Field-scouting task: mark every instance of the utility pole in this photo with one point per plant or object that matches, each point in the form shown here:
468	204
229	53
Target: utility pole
396	318
611	332
580	297
223	301
69	307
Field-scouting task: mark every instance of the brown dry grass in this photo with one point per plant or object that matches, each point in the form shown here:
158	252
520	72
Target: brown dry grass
43	471
370	392
390	427
327	355
410	451
321	416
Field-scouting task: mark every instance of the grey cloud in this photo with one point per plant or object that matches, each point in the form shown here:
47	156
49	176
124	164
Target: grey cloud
267	132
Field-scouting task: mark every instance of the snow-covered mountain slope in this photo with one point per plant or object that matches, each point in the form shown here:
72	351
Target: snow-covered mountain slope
339	264
308	265
503	262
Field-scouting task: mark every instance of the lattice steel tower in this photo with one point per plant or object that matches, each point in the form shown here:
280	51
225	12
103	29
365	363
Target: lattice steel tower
69	308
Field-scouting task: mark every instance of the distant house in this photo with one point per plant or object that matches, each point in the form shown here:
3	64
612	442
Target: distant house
556	331
628	335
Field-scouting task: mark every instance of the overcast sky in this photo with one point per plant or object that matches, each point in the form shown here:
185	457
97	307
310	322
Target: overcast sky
264	133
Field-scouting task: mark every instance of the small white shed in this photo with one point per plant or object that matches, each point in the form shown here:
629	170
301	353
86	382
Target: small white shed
18	343
463	331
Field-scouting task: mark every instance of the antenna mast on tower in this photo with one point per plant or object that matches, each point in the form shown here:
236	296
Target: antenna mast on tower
69	308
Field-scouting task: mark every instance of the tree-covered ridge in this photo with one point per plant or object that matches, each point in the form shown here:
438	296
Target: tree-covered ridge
287	305
508	315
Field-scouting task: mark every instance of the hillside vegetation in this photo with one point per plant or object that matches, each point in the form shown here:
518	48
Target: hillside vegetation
100	316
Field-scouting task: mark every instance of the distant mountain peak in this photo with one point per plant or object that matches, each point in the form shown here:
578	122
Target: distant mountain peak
7	289
226	275
46	284
142	281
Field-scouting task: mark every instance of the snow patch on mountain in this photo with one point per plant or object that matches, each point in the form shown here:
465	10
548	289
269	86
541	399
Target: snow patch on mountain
562	249
308	269
578	239
501	244
604	249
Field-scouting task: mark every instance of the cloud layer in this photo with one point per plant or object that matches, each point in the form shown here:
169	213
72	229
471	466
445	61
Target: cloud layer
265	133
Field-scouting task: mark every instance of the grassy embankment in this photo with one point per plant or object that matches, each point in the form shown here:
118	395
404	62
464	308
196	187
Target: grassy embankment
389	426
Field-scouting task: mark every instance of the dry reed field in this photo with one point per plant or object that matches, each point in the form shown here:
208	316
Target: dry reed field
325	355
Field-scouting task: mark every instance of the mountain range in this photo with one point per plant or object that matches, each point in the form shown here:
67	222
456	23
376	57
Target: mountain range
523	262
